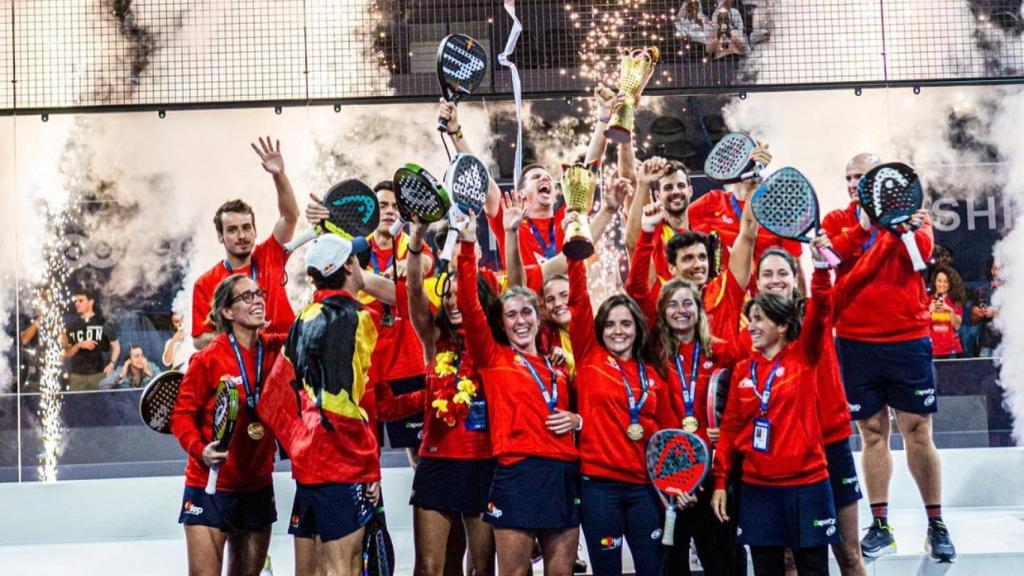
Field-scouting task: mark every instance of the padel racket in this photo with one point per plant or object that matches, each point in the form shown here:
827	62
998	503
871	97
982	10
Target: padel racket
786	205
354	213
157	400
419	193
729	161
225	414
461	66
378	550
467	180
718	393
677	462
890	194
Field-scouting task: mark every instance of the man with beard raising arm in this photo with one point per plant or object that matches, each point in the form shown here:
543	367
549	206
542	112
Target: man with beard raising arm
669	183
263	262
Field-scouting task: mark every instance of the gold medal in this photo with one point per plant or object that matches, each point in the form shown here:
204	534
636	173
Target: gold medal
690	424
635	432
255	430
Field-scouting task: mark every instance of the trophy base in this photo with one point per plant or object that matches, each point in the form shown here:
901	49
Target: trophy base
578	248
618	134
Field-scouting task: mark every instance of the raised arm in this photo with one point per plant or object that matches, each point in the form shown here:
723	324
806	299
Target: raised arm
416	295
650	172
512	211
638	283
741	259
269	152
481	344
581	328
450	112
605	101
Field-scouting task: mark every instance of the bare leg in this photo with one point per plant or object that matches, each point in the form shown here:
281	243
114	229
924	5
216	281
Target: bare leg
205	547
877	458
430	530
307	557
343	557
514	548
247	551
922	456
559	550
455	549
480	538
847	552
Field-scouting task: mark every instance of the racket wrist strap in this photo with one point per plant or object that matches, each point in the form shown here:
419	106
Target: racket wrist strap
409	249
455	134
604	119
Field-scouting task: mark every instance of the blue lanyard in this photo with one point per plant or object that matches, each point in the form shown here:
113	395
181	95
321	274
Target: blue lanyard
736	208
689	389
549	247
375	264
634	406
874	234
766	395
252	270
550	398
251	397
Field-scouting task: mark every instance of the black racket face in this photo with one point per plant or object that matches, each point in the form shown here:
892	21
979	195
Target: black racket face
730	158
419	193
785	204
157	401
718	393
467	180
890	194
225	413
353	207
461	65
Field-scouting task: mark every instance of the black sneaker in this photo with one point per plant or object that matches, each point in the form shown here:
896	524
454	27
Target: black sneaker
879	541
580	566
938	544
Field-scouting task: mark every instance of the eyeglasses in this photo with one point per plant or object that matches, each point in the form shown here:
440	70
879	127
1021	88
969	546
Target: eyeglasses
249	295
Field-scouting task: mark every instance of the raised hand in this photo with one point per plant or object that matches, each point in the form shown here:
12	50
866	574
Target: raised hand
270	155
466	225
761	155
653	215
316	212
417	231
652	170
449	112
618	192
606	101
513	207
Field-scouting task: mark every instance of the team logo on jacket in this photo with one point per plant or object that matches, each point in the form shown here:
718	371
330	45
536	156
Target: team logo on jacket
493	510
746	383
192	509
708	364
780	371
610	543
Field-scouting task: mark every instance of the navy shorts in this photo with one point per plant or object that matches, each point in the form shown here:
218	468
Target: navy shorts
535	494
880	374
407	432
790	516
452	485
330	511
842	474
613	510
228	511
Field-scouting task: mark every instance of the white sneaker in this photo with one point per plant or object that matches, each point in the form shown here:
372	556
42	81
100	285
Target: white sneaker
268	568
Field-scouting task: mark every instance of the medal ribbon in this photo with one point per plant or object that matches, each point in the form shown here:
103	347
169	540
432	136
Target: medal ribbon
549	247
634	406
689	388
252	270
550	398
736	208
252	394
767	394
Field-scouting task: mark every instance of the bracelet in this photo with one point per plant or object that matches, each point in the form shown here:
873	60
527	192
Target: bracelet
580	425
604	119
409	250
457	133
820	264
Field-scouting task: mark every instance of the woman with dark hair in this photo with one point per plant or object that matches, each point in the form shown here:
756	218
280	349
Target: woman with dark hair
947	311
241	512
622	400
452	480
535	489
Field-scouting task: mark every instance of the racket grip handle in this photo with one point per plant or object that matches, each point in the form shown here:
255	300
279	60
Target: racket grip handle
831	257
915	254
449	245
211	481
668	532
299	240
442	125
396	227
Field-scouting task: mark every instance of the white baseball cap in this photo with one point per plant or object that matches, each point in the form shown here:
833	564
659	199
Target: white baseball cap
329	252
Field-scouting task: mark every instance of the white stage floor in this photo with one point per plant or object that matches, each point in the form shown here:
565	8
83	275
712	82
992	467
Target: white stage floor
127	527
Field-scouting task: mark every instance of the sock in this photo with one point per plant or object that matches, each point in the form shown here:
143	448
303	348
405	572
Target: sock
934	512
880	512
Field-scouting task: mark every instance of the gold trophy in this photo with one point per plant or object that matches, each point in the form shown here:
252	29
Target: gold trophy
636	68
578	184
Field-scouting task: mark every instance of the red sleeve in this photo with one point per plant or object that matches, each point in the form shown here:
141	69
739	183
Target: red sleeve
390	407
728	429
498	232
192	396
200	309
863	271
819	314
925	239
846	241
696	213
270	253
534	278
638	282
481	346
581	329
726	304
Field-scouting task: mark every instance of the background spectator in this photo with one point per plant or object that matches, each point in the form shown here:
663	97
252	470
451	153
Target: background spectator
983	313
947	311
727	36
176	352
85	340
692	25
136	371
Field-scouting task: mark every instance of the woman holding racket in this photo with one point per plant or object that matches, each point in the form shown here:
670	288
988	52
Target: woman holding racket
622	400
242	510
454	475
535	489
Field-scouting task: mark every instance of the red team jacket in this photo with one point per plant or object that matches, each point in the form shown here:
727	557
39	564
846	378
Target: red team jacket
531	250
270	258
515	407
720	211
605	450
250	462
